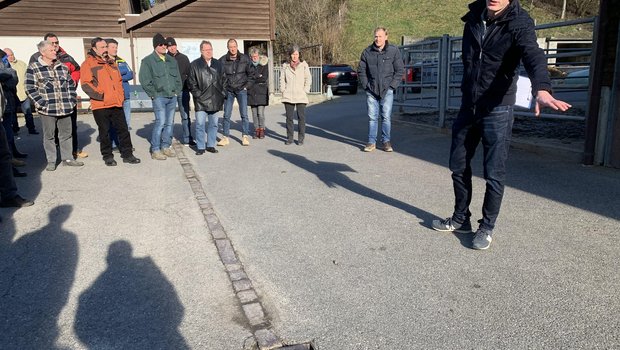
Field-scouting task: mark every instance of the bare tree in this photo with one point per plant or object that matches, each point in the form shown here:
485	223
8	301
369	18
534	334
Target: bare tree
317	22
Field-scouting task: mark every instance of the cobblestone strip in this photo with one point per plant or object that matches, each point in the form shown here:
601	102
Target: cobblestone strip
241	283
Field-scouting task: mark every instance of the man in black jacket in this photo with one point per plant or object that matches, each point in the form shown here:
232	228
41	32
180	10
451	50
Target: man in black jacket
498	34
380	70
207	85
236	70
183	98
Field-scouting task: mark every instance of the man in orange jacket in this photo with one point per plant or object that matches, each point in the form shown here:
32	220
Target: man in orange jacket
102	82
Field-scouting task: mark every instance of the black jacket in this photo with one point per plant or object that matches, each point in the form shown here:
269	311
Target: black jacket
490	66
236	72
207	85
258	87
380	70
183	62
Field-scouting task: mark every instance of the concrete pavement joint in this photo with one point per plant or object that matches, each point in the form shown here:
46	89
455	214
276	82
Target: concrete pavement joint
252	308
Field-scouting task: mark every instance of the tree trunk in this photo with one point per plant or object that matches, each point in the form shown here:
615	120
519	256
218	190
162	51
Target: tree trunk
563	10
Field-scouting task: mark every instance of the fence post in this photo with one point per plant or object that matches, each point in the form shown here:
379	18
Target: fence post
443	79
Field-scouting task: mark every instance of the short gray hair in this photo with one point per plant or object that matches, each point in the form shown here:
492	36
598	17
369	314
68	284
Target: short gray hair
254	50
43	44
380	28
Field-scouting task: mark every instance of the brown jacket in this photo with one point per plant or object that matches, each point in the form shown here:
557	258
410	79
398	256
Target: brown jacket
102	82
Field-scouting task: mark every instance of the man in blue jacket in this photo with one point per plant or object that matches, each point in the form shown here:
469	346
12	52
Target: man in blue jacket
380	71
127	76
498	34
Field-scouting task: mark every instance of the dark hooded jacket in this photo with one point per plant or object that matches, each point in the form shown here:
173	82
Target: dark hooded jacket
492	52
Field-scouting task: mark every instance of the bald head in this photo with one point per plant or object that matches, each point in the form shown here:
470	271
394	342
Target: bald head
10	55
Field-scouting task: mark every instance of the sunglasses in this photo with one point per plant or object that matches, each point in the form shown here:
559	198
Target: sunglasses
166	45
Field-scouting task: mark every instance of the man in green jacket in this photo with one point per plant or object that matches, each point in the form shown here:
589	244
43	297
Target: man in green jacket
161	80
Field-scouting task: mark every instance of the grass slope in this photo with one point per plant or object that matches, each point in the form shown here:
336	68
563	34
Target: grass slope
426	18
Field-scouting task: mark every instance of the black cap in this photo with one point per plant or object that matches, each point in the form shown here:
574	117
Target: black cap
158	39
170	41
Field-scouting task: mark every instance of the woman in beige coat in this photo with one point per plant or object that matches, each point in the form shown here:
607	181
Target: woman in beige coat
295	82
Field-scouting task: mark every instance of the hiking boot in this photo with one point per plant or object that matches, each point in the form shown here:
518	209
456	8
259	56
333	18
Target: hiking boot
131	160
71	162
51	166
369	147
245	140
168	152
387	147
482	239
157	155
449	225
223	141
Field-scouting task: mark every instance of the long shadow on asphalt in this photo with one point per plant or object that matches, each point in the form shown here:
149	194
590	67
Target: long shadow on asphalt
131	305
332	175
36	275
593	189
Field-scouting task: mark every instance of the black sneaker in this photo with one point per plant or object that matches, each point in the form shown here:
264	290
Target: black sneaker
449	225
110	162
482	239
15	202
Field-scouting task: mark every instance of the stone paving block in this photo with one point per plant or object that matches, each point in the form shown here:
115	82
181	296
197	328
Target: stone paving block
266	339
254	313
247	296
240	285
225	249
237	275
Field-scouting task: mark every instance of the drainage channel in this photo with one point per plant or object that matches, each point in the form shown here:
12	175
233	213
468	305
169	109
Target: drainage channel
254	311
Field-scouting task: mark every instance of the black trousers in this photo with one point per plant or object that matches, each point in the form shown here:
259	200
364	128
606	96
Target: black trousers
113	116
301	116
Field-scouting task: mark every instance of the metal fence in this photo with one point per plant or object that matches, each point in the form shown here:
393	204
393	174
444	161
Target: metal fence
315	72
433	73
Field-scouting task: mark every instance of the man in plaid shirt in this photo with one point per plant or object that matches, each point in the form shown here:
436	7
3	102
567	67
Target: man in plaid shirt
49	85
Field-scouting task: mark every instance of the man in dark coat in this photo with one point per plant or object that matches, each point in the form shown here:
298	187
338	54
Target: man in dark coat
207	85
183	98
498	34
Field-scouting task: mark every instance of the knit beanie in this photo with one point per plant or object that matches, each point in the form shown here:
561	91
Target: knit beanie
158	39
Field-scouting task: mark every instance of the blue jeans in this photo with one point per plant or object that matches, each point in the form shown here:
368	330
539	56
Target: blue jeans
494	128
242	99
164	108
183	103
384	106
127	112
211	130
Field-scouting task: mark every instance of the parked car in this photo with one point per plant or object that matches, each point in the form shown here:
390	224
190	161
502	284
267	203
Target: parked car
340	77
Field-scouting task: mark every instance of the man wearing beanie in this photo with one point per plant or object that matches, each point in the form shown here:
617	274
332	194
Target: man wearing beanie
161	80
182	99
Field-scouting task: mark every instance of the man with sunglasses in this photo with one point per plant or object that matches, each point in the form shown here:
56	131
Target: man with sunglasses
161	80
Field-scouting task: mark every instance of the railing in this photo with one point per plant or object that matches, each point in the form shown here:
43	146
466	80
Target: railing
315	72
434	70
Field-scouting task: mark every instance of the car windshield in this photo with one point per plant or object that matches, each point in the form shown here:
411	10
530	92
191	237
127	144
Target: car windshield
341	68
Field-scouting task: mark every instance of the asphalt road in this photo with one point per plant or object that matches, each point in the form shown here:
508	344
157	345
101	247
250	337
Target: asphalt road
335	241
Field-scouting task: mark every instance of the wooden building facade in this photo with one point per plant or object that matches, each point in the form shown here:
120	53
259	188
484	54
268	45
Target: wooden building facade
24	22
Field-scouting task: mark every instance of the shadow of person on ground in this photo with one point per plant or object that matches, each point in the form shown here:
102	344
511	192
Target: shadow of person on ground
36	275
131	305
332	174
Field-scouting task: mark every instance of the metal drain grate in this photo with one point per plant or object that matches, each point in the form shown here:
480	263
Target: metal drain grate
304	346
